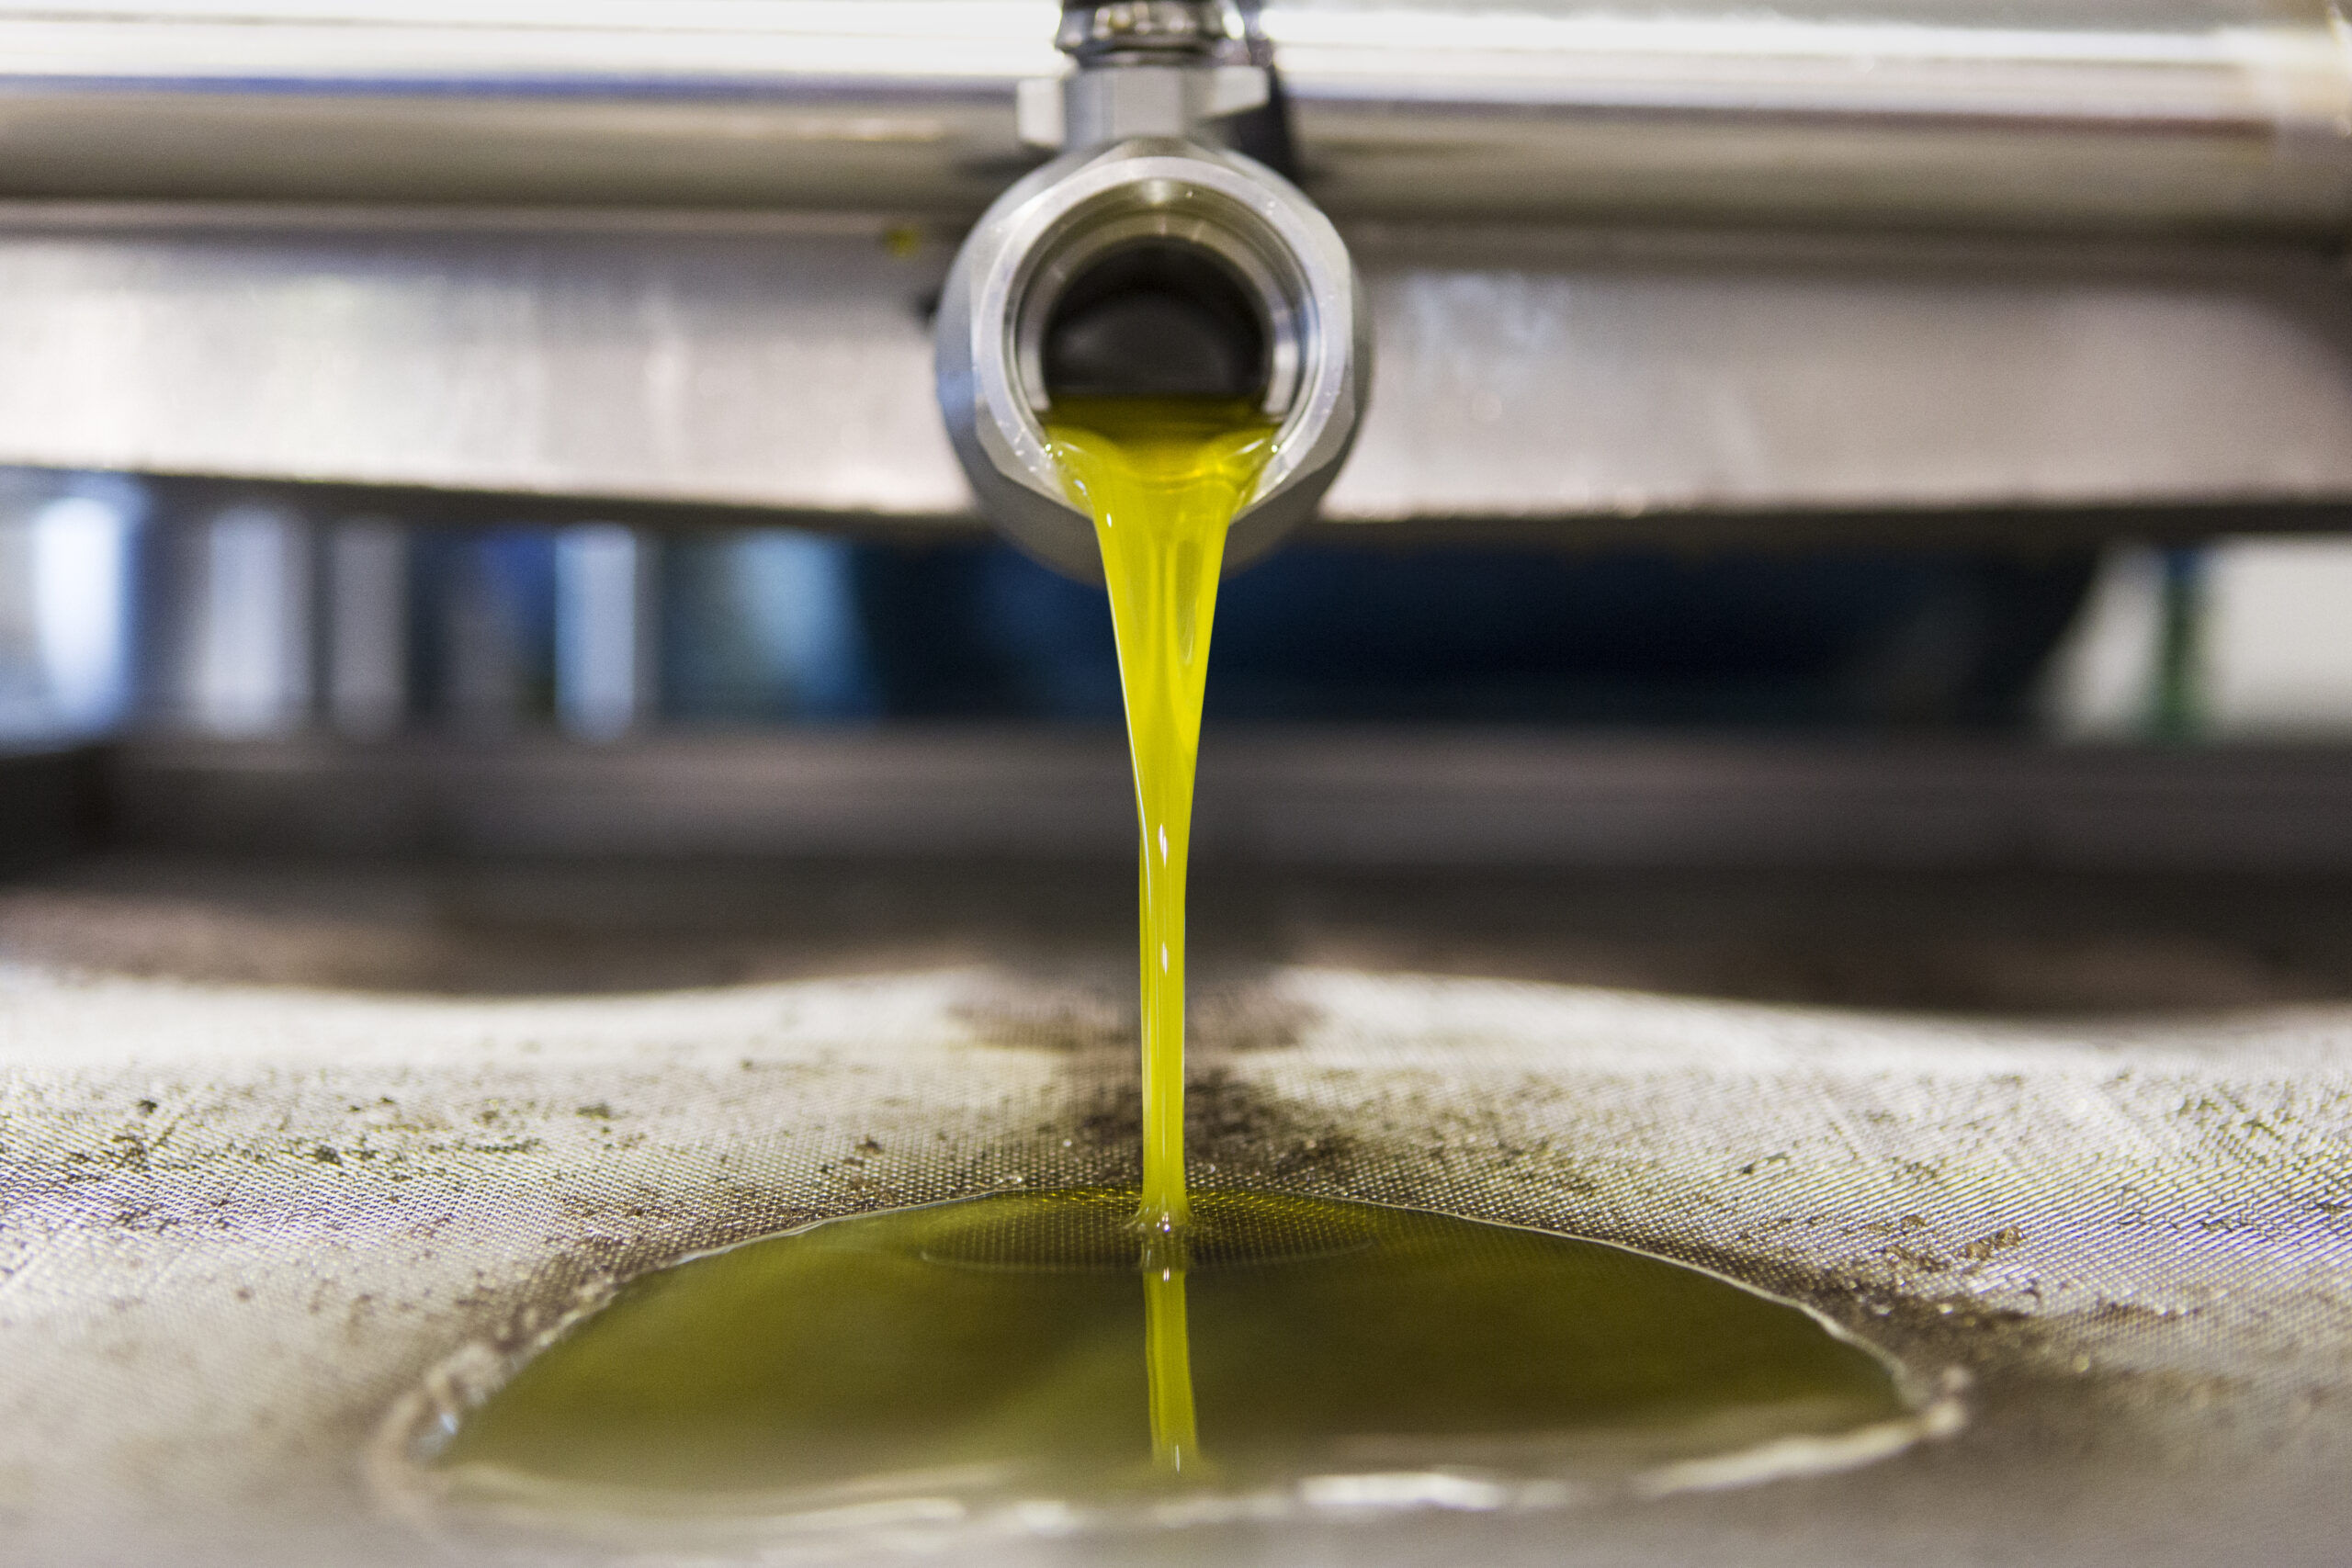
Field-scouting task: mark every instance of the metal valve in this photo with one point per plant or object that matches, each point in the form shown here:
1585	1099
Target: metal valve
1146	260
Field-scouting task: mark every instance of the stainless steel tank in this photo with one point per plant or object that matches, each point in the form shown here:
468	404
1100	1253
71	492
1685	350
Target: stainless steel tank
1642	264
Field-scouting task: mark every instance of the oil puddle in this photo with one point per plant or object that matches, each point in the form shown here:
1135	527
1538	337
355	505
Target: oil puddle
1033	1364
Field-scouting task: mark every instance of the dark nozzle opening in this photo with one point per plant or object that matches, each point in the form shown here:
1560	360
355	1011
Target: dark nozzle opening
1156	320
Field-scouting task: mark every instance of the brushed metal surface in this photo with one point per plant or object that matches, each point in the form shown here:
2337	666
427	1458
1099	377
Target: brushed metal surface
1563	375
2155	113
779	363
743	103
2212	113
1547	377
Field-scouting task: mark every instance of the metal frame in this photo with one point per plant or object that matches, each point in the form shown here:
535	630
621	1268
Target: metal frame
1559	384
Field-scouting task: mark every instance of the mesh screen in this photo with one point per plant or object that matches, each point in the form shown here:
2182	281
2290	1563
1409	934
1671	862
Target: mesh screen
239	1225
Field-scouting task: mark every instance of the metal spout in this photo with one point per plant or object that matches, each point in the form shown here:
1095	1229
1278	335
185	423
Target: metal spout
1148	261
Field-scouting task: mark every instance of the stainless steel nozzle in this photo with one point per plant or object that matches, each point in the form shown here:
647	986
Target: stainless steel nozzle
1147	261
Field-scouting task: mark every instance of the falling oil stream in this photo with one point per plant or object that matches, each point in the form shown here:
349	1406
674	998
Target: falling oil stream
1162	478
976	1353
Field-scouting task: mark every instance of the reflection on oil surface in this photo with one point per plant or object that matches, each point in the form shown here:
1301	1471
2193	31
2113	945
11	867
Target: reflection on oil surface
985	1359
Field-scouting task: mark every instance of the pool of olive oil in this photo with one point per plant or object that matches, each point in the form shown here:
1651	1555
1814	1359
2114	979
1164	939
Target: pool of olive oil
1079	1347
1029	1347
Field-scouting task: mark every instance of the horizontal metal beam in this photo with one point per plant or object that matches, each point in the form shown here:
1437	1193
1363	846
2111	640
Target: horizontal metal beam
1371	797
1526	378
903	104
2070	115
2214	114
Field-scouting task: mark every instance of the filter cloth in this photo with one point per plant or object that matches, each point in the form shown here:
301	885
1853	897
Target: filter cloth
242	1226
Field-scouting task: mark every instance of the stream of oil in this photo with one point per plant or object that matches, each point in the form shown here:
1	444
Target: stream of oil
1101	1344
1163	477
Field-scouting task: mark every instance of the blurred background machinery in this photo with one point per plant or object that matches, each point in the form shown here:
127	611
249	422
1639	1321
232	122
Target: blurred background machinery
384	370
1897	436
1881	435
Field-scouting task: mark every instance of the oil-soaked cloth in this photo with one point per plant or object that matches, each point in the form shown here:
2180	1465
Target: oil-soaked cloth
239	1225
